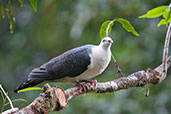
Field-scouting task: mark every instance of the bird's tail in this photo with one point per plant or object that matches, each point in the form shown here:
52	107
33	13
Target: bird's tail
28	83
37	76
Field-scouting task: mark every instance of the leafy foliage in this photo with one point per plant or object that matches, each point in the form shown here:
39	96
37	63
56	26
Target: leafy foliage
127	25
159	11
107	27
153	13
12	21
34	4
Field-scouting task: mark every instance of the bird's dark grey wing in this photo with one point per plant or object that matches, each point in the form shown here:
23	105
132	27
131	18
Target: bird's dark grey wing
70	64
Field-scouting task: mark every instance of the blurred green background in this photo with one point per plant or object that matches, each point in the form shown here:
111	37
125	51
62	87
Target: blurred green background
60	25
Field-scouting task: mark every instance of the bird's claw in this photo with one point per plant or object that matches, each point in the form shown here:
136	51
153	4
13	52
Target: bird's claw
92	82
84	87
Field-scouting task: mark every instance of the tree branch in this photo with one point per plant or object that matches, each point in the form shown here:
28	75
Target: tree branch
55	99
166	51
137	79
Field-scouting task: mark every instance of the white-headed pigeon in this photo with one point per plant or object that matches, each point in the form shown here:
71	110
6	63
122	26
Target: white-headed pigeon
81	63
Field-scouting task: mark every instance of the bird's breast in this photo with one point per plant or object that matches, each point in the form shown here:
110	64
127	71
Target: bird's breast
100	60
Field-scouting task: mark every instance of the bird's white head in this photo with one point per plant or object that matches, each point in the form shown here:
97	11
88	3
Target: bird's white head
106	42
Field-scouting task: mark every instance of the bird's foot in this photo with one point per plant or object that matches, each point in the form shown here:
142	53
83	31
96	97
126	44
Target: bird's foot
91	82
83	87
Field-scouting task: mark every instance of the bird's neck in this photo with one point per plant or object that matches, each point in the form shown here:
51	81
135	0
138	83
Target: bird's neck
105	47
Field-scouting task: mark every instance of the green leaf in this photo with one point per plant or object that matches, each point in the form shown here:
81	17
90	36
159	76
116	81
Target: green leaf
12	21
21	3
29	89
127	25
106	28
162	22
1	12
153	13
2	95
167	14
34	4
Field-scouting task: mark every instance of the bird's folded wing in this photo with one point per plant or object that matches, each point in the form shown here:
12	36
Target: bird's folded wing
70	64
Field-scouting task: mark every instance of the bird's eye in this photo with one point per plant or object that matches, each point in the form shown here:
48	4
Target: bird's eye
104	40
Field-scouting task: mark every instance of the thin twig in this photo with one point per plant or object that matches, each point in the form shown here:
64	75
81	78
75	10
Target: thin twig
165	52
3	105
108	28
6	96
117	67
